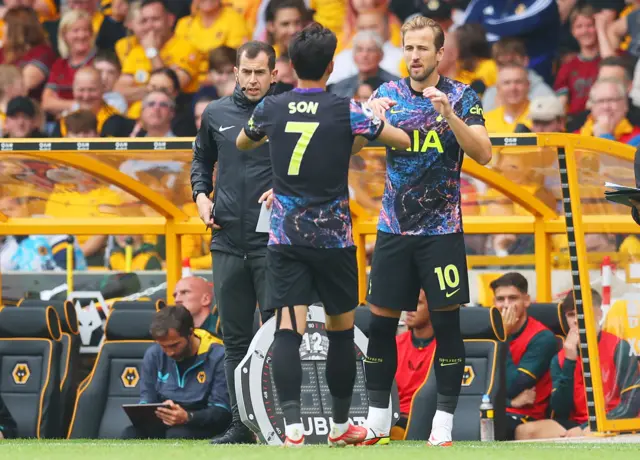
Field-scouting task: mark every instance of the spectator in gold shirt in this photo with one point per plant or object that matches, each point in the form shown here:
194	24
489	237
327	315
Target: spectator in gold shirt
211	24
513	90
158	48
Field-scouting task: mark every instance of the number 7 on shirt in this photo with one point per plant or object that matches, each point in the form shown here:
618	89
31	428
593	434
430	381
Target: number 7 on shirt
306	129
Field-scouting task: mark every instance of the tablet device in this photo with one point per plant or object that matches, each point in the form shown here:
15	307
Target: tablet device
143	417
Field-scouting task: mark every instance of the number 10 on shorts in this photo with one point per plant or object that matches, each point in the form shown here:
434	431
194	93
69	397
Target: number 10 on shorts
448	278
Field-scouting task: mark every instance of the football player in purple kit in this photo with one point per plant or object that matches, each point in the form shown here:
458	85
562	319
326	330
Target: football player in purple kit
311	255
420	242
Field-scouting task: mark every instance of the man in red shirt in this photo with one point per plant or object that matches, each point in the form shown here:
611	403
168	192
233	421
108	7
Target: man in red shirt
415	355
531	347
620	380
576	76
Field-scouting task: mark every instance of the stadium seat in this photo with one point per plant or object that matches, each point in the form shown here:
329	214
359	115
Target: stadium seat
30	369
115	377
70	352
139	305
485	349
551	316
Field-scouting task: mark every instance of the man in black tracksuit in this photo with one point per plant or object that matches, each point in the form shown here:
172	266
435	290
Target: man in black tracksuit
239	253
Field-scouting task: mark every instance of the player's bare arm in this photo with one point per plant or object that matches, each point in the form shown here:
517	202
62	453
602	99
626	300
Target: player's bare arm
389	135
243	142
474	140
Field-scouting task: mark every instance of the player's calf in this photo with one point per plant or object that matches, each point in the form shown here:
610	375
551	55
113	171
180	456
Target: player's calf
287	370
341	376
380	367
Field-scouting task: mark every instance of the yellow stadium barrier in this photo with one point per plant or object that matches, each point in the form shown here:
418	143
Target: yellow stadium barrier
152	202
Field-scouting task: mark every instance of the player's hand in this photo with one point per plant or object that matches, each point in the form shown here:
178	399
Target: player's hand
509	319
268	197
205	207
526	398
174	415
571	344
439	100
380	106
1	435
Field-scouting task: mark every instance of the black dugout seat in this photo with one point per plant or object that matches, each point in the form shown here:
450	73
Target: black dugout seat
69	355
30	369
115	378
550	314
156	305
363	319
485	349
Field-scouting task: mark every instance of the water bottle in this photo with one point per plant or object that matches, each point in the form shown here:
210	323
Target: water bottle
486	419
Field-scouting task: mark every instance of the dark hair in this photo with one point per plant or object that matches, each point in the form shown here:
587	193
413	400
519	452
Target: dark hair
569	303
81	121
164	4
311	51
618	61
276	5
514	279
472	45
253	49
171	75
110	57
509	45
177	318
222	56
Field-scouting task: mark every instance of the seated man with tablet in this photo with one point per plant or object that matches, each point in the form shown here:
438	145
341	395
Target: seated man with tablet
183	388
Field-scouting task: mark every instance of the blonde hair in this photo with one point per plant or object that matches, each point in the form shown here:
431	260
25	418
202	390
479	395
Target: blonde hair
421	22
68	19
134	11
9	74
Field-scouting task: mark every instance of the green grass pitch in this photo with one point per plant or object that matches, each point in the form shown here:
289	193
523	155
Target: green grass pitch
166	450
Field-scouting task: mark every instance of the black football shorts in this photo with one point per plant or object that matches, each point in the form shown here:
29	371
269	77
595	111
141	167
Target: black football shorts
298	275
403	264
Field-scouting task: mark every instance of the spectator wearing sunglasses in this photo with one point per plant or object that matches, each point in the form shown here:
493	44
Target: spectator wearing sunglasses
156	117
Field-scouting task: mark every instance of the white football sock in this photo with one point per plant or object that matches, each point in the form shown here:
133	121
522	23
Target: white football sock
338	429
294	431
379	419
442	425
